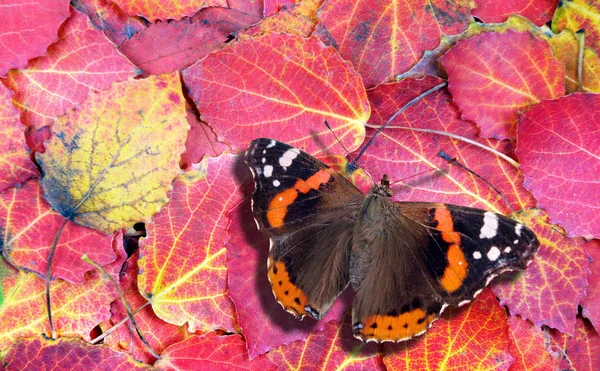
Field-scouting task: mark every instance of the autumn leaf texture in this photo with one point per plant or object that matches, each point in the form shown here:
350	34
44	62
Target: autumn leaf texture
127	230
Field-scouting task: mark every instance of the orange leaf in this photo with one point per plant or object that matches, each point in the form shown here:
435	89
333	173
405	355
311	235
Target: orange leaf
492	91
66	354
182	261
474	337
76	309
15	164
27	28
29	226
110	163
549	291
299	19
530	347
169	9
283	87
81	61
211	352
383	39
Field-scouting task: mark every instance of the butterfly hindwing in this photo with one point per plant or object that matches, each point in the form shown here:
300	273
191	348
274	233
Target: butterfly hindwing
307	210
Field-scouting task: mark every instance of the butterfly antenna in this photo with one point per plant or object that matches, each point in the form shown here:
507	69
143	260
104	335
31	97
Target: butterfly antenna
338	139
454	160
391	119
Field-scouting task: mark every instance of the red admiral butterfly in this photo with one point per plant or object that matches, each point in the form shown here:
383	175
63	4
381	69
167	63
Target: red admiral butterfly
406	260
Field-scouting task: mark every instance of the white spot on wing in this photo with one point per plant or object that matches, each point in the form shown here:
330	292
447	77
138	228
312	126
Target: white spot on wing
288	157
268	171
264	160
271	144
507	249
518	229
477	255
493	254
490	225
276	183
515	242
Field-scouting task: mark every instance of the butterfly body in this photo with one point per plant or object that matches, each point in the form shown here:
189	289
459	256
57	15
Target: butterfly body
406	261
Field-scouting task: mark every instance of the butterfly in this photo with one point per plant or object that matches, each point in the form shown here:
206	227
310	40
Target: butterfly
406	261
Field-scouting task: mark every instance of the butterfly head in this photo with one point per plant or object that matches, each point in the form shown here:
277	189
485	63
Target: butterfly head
383	188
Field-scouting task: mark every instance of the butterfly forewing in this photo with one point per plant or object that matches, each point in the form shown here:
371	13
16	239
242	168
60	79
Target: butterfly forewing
308	212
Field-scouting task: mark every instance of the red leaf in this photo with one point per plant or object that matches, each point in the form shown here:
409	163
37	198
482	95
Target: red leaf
279	86
211	352
402	154
580	352
530	347
264	323
27	28
171	46
165	9
334	348
182	261
591	303
66	354
83	60
537	11
15	163
492	91
559	152
201	141
158	333
383	39
29	226
474	337
549	291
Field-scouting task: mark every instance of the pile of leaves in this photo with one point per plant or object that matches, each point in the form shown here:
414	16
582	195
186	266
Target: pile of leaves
128	118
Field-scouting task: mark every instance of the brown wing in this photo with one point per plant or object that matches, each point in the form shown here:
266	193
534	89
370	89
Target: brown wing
308	211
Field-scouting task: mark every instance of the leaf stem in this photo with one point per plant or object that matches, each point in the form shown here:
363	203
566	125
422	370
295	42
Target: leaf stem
86	259
48	277
117	325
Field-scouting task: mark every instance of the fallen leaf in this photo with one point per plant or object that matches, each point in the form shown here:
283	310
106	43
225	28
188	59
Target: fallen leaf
244	91
265	325
76	308
296	19
157	332
410	157
473	337
493	91
530	347
560	157
66	354
122	146
579	15
80	62
182	261
333	348
383	39
162	10
27	29
29	226
211	352
581	351
549	291
539	11
110	19
591	302
15	163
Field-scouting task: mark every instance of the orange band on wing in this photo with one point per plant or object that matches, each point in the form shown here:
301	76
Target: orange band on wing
287	294
456	271
395	328
278	206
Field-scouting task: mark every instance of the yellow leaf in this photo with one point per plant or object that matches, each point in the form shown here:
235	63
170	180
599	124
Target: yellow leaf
110	163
